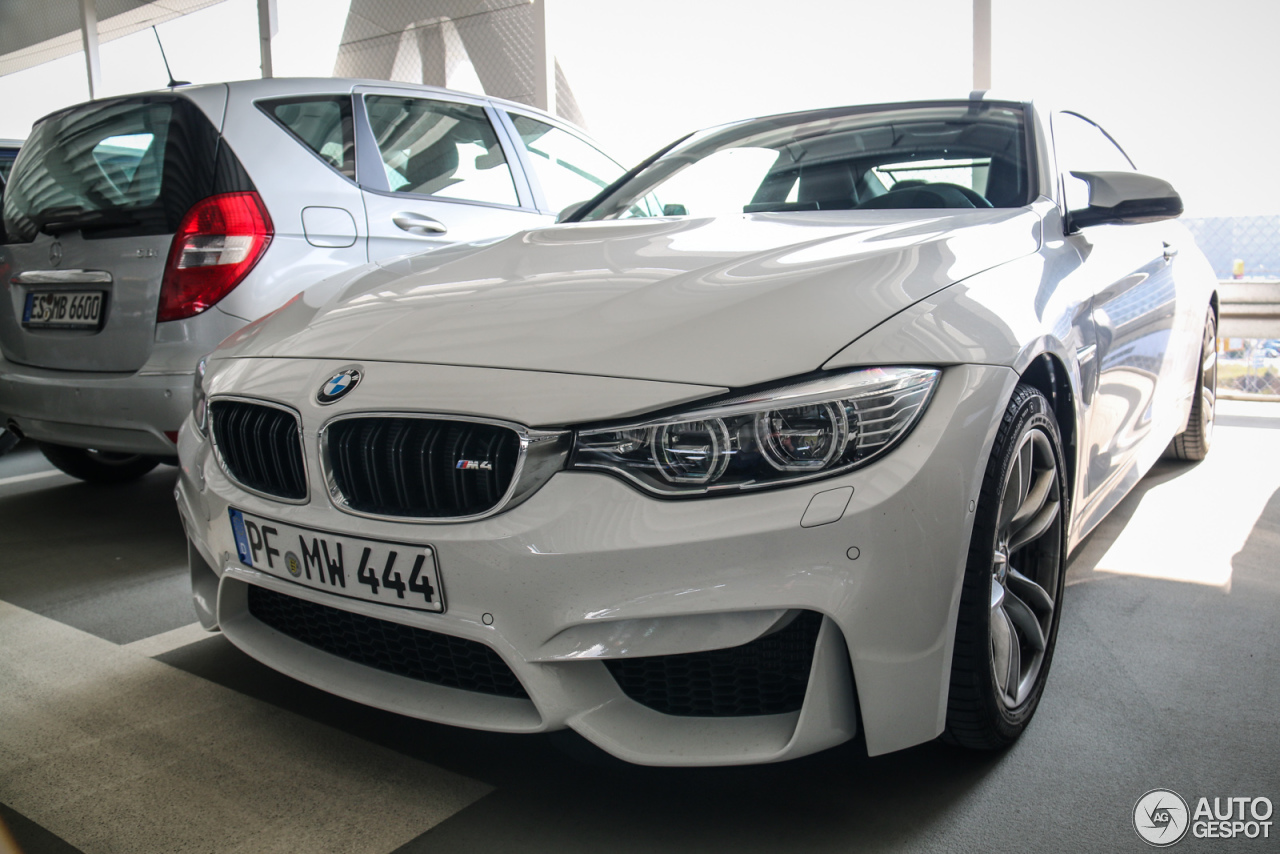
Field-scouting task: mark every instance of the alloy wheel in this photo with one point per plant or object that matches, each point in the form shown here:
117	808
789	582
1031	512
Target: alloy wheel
1025	567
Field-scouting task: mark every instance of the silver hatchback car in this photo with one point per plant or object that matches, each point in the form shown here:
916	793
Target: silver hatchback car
140	231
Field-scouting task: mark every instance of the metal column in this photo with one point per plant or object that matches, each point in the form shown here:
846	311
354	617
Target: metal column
89	34
268	26
981	44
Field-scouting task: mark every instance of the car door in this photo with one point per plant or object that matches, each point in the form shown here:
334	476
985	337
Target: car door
434	169
1135	315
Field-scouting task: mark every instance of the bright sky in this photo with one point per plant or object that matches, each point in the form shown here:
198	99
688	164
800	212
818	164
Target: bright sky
1188	88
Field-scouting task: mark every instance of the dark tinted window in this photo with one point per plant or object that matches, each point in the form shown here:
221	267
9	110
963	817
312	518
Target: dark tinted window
322	124
437	148
6	164
111	168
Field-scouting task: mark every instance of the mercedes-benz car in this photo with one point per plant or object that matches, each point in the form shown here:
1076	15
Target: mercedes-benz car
139	231
804	452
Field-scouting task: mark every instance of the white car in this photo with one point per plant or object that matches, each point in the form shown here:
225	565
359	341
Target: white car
712	487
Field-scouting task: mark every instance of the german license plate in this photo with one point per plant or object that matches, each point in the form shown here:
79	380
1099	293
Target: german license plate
389	573
64	309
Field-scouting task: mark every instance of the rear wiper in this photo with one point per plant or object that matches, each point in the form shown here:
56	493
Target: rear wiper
56	225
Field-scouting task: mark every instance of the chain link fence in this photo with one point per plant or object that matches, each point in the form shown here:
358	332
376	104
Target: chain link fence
1254	241
1249	366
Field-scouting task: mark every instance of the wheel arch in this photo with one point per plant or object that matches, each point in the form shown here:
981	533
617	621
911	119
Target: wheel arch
1048	374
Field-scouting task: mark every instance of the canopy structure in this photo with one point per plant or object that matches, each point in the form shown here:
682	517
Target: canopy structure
33	33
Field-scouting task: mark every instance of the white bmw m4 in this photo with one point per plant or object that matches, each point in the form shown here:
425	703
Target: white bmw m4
789	431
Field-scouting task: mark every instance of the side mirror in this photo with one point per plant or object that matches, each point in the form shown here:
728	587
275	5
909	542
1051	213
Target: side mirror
674	210
1124	197
569	211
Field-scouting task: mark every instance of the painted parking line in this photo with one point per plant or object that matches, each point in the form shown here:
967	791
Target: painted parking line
113	751
20	478
167	641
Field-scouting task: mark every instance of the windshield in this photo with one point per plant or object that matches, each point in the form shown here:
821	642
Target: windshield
966	155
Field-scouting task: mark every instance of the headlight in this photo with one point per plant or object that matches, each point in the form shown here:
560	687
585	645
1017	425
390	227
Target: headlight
784	435
199	405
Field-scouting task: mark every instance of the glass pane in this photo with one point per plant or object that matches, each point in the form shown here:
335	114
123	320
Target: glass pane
323	125
434	148
98	165
568	168
933	156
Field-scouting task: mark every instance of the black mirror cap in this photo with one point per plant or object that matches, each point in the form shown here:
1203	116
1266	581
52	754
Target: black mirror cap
1125	197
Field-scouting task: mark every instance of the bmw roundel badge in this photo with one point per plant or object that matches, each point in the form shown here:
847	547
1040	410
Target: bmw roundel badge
338	385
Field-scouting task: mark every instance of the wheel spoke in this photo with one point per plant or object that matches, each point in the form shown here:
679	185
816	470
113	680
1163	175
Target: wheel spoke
1029	592
1034	502
1024	620
1015	490
1036	528
1005	656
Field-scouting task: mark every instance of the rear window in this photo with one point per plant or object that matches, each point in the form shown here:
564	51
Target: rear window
6	164
113	168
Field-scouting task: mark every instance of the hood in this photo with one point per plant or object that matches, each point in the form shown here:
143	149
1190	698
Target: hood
730	301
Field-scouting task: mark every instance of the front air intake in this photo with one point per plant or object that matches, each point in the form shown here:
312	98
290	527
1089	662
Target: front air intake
403	650
426	468
767	676
260	447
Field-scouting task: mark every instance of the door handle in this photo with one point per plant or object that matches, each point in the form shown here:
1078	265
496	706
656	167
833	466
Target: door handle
416	223
1169	251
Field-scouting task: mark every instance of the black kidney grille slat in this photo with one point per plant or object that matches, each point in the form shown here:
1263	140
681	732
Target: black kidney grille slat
408	467
260	447
767	676
414	653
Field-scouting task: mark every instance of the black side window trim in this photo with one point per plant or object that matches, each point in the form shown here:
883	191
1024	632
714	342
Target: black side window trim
372	177
344	102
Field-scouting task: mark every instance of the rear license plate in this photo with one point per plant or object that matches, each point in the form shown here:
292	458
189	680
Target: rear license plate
389	573
63	309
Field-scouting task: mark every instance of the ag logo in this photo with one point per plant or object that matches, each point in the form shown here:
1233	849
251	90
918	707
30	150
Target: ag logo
338	385
55	254
1160	817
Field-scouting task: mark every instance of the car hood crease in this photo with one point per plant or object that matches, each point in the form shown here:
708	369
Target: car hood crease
729	301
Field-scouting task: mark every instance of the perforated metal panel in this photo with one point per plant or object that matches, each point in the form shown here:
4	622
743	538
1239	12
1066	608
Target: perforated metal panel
485	46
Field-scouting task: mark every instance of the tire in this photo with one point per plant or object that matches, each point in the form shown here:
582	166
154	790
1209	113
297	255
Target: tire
98	466
1013	582
1193	442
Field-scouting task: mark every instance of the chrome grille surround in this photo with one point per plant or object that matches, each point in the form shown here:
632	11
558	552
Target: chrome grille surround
541	454
219	450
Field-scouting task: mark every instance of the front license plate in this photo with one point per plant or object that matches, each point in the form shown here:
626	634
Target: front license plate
390	573
64	309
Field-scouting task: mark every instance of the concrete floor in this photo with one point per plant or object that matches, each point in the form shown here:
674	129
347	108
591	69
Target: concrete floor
124	728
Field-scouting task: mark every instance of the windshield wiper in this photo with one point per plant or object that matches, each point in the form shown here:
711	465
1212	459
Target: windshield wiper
56	225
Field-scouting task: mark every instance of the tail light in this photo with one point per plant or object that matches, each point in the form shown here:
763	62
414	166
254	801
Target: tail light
217	243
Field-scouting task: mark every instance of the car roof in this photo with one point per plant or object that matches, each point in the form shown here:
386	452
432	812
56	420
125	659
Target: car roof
266	87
